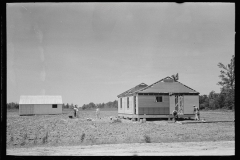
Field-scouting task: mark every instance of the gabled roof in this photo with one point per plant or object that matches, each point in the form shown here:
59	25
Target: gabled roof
40	100
132	90
167	85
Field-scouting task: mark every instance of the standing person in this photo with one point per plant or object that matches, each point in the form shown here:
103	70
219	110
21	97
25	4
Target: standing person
175	116
195	111
97	112
75	111
198	114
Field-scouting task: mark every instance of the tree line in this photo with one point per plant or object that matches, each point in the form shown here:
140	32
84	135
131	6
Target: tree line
12	105
91	105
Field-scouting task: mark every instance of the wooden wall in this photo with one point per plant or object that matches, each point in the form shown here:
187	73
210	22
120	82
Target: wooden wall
129	110
124	108
150	101
120	110
26	109
172	103
29	109
47	109
146	104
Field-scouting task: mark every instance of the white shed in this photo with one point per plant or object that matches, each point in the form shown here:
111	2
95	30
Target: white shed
30	105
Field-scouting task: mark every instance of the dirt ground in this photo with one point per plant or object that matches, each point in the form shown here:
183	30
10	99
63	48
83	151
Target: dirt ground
61	131
134	149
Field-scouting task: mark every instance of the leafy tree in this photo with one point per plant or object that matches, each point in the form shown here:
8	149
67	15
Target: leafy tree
67	106
229	95
213	100
203	102
16	106
221	100
71	106
91	105
101	105
84	107
12	105
227	82
64	106
227	75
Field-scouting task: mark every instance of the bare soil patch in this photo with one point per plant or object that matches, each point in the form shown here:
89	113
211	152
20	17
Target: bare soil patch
60	130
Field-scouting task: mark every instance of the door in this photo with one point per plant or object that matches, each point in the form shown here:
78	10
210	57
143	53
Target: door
179	104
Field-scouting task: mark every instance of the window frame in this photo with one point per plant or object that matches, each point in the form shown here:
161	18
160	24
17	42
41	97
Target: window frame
127	102
54	106
156	99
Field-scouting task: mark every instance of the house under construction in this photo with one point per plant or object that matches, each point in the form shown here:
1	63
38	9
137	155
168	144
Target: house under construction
158	100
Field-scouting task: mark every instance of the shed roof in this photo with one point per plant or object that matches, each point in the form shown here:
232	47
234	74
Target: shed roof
40	99
132	90
167	85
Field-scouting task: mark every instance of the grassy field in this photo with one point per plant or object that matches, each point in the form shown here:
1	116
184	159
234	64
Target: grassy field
55	130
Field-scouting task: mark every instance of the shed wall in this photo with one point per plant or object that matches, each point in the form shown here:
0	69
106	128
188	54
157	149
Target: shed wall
47	109
26	109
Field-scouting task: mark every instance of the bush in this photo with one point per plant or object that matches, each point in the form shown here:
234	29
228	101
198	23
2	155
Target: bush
45	139
147	139
82	137
116	120
24	139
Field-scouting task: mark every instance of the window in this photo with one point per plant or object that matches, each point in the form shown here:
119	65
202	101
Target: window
54	106
135	103
120	102
127	102
159	99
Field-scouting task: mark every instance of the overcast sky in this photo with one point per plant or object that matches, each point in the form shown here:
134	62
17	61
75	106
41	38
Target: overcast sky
91	52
